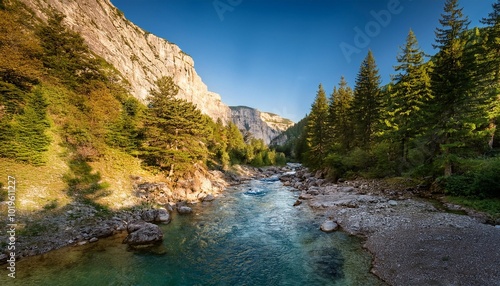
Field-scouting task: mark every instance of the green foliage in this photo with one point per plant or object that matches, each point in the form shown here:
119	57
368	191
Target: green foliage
292	137
367	104
405	117
489	205
65	54
317	131
433	117
341	123
175	131
456	107
24	137
125	132
475	178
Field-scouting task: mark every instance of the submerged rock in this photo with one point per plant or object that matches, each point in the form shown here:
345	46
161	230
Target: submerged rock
184	210
143	233
208	198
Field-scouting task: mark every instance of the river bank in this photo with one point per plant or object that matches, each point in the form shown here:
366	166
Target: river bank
412	240
80	223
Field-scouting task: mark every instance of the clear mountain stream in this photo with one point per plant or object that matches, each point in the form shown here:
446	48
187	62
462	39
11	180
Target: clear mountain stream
253	235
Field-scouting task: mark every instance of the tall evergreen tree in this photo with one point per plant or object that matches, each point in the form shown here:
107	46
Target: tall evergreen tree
491	66
410	93
455	109
367	103
340	112
317	130
175	131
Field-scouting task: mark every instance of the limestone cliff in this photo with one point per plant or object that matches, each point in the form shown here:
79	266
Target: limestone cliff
262	125
139	56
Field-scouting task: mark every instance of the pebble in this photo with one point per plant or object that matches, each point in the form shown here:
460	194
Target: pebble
329	226
393	203
93	239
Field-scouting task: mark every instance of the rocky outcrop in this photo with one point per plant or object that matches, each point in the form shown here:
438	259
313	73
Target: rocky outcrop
139	56
143	233
200	185
262	125
160	215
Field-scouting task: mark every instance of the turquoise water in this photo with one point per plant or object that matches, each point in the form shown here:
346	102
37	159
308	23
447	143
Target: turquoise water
251	236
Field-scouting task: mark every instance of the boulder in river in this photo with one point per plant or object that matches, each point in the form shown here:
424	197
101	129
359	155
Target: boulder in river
184	210
329	226
143	233
163	216
208	198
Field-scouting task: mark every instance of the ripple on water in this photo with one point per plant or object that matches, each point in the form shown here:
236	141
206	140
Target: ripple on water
251	236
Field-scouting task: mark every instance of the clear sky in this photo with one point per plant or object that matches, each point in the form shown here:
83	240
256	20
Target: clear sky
272	55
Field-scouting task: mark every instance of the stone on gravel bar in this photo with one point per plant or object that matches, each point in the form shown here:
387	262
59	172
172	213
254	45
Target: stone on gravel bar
329	226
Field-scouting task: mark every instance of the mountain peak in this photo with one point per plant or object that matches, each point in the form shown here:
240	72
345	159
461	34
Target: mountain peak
262	125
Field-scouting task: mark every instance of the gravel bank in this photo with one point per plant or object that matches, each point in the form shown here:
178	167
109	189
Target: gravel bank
412	241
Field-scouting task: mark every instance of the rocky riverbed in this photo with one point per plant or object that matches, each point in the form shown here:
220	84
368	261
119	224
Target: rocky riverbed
412	241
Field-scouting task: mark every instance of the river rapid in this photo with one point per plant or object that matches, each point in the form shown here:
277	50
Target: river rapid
252	235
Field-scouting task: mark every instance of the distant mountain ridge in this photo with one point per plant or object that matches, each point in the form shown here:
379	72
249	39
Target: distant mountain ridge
262	125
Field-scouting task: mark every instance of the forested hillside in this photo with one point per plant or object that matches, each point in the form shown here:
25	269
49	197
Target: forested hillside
437	119
70	130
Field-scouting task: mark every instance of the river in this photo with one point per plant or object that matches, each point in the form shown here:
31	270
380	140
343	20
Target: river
253	235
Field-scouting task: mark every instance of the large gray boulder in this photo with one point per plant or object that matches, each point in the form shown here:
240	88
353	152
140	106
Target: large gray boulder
143	233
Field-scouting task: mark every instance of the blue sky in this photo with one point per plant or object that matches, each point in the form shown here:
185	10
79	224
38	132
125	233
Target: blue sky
272	55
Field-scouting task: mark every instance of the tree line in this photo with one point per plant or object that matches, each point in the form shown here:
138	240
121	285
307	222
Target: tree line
436	118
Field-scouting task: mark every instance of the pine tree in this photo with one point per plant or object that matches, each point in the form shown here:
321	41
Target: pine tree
175	131
317	131
340	114
235	144
217	144
454	107
65	54
491	69
24	138
332	120
410	93
367	103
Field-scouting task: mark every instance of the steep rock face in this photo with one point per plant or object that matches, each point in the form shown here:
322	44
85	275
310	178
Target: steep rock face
139	56
262	125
